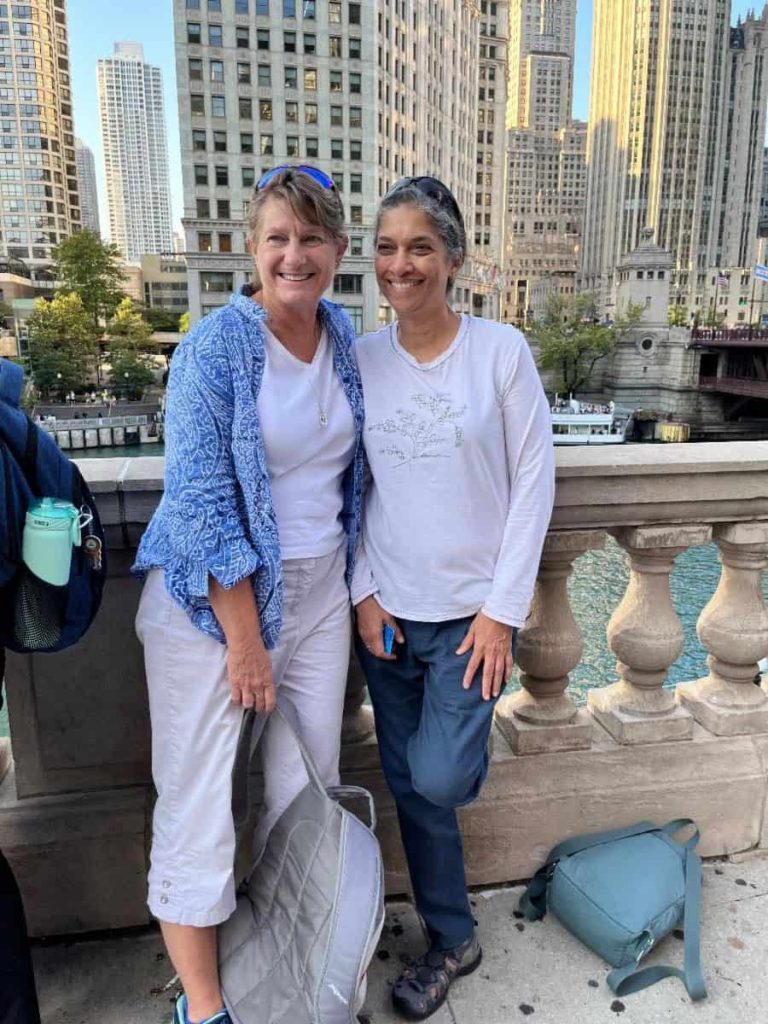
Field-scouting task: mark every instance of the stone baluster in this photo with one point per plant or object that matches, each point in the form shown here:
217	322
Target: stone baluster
646	636
733	628
357	723
542	717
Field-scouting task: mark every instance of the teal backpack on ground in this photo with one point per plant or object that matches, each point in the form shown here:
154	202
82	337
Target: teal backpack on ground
620	892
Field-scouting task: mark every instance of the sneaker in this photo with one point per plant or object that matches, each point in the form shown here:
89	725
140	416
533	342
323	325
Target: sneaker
180	1015
423	986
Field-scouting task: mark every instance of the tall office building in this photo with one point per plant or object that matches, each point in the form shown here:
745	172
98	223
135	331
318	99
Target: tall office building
370	91
38	176
86	179
676	132
135	152
546	154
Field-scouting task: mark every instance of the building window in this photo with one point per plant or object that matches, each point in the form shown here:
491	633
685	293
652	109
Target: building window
225	241
353	14
245	107
310	79
292	145
290	78
355	149
244	74
214	5
289	42
355	183
193	5
289	8
355	314
218	106
249	177
312	146
336	82
217	70
219	142
355	215
355	246
198	141
310	43
197	103
309	9
203	209
246	142
337	116
355	80
262	39
241	6
262	6
334	12
337	149
215	37
264	75
201	174
204	241
338	180
334	46
310	113
195	70
265	145
355	51
194	32
222	175
355	117
265	110
348	284
216	281
222	209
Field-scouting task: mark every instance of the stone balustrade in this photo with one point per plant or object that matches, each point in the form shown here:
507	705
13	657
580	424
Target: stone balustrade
74	811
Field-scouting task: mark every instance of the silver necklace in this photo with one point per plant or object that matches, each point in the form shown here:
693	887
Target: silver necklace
321	406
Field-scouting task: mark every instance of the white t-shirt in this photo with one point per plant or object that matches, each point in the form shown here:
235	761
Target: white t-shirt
309	438
461	454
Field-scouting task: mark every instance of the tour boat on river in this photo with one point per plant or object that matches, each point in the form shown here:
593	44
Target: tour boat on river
576	422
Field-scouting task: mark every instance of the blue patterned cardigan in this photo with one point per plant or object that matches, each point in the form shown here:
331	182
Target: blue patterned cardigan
216	517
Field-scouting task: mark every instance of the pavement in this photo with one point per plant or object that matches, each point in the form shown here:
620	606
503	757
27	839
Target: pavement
530	972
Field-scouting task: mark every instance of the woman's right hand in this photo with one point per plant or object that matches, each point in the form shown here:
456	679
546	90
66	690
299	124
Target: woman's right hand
249	669
371	620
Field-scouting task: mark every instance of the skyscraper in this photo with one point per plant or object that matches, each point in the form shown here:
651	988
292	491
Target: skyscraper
546	151
135	152
676	131
38	176
86	179
370	91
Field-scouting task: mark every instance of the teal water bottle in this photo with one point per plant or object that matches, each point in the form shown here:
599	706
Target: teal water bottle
51	529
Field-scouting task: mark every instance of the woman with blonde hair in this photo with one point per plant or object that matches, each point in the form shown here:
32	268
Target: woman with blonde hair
245	603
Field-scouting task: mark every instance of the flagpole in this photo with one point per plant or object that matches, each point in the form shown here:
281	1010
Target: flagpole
752	306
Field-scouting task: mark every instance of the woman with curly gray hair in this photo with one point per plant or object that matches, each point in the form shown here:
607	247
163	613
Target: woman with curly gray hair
458	437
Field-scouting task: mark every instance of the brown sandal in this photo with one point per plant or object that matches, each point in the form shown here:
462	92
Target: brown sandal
423	986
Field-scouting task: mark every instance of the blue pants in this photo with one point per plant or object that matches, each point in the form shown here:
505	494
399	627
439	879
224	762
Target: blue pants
433	744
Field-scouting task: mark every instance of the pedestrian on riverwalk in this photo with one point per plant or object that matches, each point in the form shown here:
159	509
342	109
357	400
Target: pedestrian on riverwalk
459	442
247	559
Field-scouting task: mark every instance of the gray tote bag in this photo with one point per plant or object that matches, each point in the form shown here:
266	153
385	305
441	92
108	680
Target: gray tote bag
297	947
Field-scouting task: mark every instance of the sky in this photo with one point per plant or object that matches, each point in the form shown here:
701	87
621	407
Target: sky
93	32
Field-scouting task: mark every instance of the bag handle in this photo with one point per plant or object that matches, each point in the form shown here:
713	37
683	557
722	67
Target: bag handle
354	793
626	980
674	826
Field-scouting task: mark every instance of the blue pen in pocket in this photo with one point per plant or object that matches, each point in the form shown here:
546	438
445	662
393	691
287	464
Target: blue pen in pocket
389	638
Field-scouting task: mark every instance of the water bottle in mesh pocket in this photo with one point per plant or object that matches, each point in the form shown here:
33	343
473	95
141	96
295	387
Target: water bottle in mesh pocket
38	612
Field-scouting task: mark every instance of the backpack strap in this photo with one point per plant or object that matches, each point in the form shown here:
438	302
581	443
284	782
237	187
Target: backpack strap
533	902
625	980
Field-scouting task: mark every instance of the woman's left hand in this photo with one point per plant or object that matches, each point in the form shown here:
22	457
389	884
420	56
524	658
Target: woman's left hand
491	644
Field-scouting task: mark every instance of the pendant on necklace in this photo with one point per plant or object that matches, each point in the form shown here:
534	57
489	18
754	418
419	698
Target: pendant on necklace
323	418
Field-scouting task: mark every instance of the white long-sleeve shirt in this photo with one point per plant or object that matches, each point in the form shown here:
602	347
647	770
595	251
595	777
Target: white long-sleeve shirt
461	456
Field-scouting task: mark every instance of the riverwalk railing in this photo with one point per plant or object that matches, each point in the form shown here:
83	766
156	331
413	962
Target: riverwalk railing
638	749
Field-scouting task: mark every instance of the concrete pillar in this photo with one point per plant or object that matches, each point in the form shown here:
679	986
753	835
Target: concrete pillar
734	630
542	717
646	636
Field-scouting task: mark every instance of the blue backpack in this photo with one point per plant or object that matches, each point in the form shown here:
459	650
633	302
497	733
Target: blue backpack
34	615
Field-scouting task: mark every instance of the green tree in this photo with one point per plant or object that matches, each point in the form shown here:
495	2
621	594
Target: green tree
571	339
62	344
184	322
712	318
93	269
6	312
128	335
677	316
162	319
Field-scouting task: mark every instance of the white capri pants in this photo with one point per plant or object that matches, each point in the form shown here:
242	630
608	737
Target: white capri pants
195	730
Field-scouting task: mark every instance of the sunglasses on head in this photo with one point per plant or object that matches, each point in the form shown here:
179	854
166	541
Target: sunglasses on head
312	172
432	187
